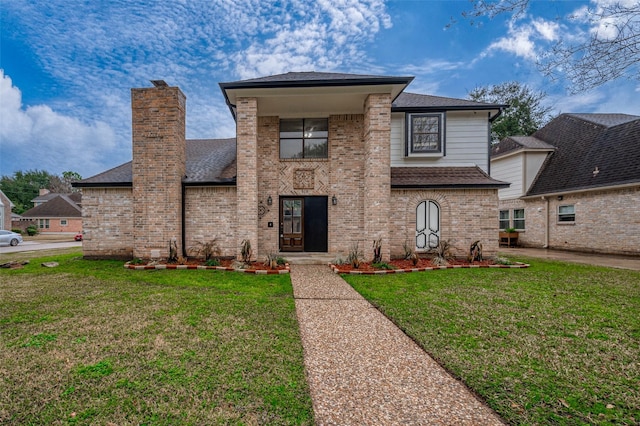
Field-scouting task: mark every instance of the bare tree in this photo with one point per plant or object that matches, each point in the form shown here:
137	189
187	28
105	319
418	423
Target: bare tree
608	51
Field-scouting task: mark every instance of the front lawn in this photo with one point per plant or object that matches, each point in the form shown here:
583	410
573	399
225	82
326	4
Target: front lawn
553	344
90	342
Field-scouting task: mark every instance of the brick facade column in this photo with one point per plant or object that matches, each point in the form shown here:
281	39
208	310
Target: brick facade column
159	157
377	171
247	171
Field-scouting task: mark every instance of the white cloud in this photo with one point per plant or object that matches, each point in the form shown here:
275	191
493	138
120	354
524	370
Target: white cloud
39	137
518	41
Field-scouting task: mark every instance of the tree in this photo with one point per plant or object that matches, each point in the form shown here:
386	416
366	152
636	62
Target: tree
23	187
607	49
525	113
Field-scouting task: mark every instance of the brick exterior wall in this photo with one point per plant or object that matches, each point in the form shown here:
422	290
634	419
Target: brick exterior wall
159	156
377	171
211	213
247	172
346	153
466	215
606	221
107	214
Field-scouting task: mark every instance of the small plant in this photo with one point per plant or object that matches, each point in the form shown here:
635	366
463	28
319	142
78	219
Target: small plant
281	261
17	231
502	261
377	247
510	230
136	261
32	230
208	249
443	253
173	250
410	253
354	258
246	251
475	252
382	265
212	262
271	260
338	261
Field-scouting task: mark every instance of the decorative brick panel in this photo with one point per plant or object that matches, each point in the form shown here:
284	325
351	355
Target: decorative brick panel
158	133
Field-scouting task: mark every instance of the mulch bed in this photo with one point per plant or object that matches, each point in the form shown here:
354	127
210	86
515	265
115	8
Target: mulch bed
403	266
225	265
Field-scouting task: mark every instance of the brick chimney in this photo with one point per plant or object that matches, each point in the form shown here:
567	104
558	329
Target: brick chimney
159	157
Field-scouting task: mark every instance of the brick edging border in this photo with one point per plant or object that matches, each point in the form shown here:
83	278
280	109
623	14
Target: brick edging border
287	269
516	265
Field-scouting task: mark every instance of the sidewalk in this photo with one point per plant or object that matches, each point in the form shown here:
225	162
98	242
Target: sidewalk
363	370
613	261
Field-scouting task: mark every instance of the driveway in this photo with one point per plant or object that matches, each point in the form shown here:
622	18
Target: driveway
613	261
33	245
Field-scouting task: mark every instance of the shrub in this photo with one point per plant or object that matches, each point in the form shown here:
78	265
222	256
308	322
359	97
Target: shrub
212	262
32	230
246	251
208	249
443	253
17	231
355	256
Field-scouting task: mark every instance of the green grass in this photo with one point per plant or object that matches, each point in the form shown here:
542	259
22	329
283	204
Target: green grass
553	344
90	342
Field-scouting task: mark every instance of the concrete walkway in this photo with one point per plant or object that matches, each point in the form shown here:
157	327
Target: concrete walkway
613	261
362	370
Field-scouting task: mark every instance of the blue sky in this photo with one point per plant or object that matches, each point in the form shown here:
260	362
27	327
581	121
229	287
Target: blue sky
67	67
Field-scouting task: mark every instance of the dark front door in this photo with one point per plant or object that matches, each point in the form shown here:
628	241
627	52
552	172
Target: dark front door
292	224
303	224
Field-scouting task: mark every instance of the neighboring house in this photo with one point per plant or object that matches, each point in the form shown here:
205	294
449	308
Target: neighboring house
575	184
54	213
5	211
320	162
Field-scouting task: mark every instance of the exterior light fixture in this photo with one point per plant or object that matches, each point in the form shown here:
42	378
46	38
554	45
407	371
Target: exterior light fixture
560	197
269	200
334	200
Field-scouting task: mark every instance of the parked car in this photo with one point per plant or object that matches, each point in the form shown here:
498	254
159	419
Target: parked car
78	237
9	237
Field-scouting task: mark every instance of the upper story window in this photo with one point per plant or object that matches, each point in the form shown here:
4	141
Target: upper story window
425	134
566	213
304	138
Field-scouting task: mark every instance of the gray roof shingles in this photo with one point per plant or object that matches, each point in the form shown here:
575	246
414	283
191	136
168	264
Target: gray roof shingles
443	177
209	161
516	143
608	143
59	206
414	100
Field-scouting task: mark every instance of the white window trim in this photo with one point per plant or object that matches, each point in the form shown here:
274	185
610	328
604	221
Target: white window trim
566	222
524	219
409	136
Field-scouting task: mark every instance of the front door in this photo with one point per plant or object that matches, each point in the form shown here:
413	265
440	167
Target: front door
291	224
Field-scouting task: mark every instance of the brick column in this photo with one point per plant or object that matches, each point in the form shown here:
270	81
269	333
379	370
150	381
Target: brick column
247	171
158	132
377	171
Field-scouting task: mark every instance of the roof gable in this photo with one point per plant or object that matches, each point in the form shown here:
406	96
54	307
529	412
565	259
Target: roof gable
513	144
59	206
592	150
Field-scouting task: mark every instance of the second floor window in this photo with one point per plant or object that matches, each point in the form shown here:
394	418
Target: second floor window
425	134
302	138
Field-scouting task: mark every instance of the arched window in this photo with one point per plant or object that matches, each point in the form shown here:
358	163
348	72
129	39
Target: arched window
427	225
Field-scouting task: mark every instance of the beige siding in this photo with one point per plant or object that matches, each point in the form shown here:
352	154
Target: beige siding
466	141
533	162
509	169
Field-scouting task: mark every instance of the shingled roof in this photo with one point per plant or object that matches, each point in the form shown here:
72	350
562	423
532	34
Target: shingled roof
443	177
517	143
313	78
408	101
591	151
59	206
209	162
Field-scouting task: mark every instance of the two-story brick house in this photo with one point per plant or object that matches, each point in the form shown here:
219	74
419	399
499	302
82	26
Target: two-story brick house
320	161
